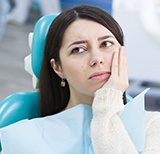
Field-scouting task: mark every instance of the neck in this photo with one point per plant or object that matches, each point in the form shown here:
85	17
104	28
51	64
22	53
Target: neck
76	99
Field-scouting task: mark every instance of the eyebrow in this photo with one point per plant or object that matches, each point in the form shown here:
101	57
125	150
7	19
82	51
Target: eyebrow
77	42
105	37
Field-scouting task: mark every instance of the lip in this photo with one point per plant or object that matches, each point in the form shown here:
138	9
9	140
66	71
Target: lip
100	75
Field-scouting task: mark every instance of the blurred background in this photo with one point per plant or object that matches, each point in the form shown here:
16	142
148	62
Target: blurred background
139	19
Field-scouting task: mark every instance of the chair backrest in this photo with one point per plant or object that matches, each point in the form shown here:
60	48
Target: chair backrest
18	106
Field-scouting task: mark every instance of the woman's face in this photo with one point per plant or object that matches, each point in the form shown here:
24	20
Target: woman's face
86	55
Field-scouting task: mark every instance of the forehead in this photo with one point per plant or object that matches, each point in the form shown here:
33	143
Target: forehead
82	28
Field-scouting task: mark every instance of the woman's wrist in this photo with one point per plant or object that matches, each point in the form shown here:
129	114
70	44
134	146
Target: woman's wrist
107	99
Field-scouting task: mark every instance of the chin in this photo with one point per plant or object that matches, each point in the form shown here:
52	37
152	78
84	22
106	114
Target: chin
96	87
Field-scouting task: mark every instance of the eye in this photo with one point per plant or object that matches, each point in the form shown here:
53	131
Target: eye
106	44
78	50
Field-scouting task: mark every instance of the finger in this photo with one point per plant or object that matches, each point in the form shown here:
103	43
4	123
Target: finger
123	67
115	67
122	62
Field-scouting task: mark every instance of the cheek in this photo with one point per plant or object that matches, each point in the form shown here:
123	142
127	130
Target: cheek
76	76
109	57
72	69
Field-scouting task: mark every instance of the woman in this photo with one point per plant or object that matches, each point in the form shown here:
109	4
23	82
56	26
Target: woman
84	71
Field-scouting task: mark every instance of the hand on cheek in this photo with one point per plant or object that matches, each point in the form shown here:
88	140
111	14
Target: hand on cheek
119	71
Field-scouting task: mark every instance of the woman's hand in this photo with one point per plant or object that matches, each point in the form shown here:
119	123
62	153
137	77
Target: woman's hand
119	71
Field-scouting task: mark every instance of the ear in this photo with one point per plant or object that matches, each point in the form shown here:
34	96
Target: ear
57	68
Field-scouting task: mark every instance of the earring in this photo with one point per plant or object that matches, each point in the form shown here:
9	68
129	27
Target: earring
63	83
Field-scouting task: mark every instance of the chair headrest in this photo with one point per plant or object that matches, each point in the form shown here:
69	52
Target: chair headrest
38	41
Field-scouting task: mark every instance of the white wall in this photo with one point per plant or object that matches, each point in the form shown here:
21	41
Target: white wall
143	49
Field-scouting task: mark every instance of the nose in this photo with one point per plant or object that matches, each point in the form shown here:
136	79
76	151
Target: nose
96	58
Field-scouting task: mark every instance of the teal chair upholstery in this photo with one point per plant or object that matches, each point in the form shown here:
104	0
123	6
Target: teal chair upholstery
18	106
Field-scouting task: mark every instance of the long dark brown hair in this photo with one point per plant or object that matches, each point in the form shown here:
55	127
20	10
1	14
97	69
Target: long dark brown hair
53	97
